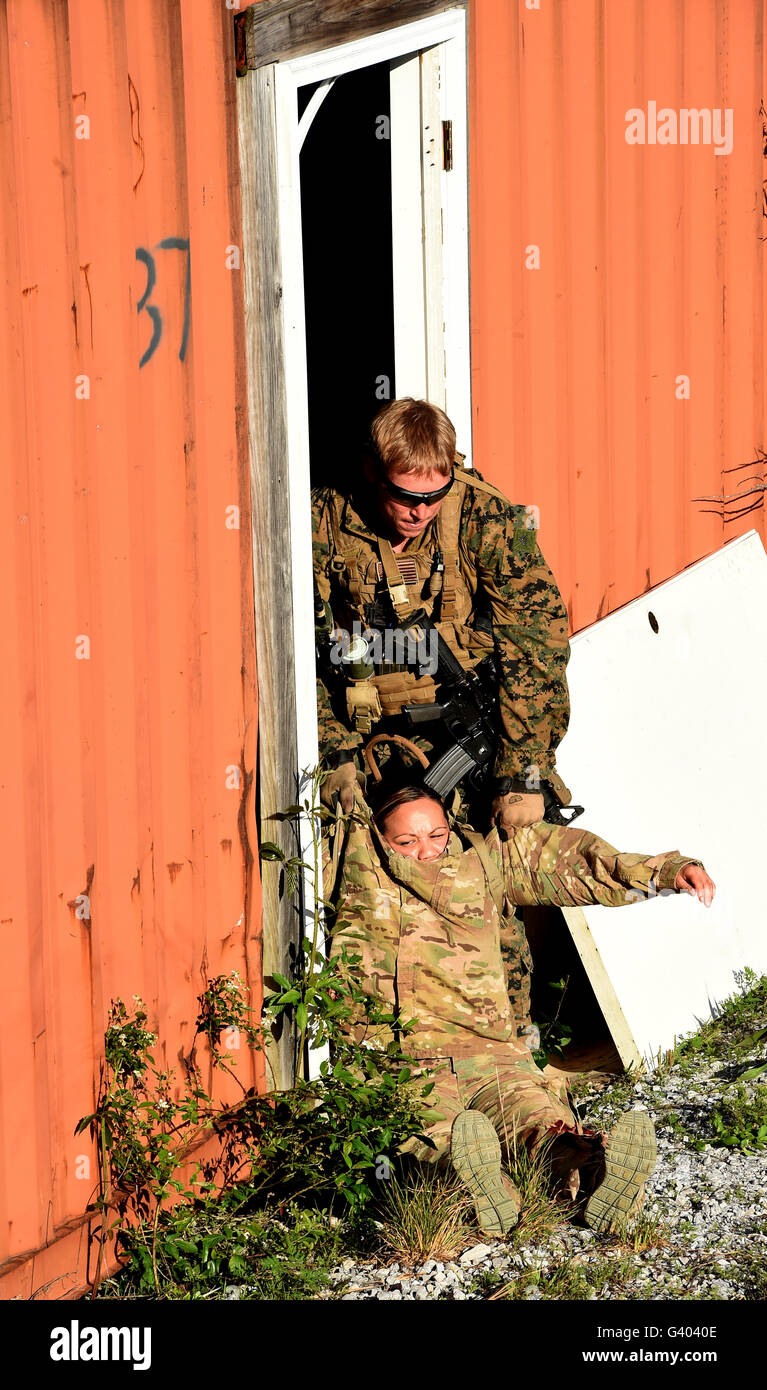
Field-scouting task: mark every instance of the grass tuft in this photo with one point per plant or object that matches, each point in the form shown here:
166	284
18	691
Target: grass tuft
540	1214
424	1216
579	1278
643	1232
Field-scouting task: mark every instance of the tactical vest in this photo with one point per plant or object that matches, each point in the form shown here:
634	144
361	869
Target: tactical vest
438	577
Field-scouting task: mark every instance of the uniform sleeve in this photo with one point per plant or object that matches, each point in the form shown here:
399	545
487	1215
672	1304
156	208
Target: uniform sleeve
333	734
530	628
564	867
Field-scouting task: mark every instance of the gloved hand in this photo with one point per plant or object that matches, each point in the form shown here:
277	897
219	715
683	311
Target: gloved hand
513	809
340	783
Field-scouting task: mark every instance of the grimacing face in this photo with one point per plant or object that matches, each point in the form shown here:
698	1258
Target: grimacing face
398	520
418	829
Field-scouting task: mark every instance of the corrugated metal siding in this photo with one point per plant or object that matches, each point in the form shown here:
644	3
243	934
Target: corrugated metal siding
116	773
652	265
117	764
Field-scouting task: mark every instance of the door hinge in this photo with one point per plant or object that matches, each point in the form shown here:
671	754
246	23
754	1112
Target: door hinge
447	144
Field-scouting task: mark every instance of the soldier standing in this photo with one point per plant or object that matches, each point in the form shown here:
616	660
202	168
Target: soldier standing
422	534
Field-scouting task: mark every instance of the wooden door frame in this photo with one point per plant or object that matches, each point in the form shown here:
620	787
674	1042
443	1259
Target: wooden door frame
286	45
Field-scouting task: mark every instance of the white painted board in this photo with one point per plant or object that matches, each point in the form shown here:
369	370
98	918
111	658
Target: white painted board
667	750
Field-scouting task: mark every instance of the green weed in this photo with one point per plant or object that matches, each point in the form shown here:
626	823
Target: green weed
642	1232
424	1216
731	1030
201	1251
740	1121
578	1278
609	1102
322	1140
555	1033
143	1129
540	1214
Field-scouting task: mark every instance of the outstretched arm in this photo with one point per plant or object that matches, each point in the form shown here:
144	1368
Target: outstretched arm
563	867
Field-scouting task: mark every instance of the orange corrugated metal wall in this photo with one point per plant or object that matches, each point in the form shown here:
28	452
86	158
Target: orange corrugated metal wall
128	678
652	267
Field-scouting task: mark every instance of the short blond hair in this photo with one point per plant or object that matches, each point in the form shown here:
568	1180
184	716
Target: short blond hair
412	436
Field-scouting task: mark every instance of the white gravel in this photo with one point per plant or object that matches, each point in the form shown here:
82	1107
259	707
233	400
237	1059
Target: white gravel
712	1203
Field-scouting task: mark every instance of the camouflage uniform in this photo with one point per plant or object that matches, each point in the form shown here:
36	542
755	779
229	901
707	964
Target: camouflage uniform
428	935
517	966
478	571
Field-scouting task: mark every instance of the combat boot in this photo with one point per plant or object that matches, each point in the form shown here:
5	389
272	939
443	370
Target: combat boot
629	1157
475	1153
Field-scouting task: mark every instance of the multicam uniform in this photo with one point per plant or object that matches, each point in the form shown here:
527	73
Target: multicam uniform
478	572
428	935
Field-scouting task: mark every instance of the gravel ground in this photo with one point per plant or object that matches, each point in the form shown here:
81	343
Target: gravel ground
709	1208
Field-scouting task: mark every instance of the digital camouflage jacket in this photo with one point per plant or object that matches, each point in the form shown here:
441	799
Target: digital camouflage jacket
501	573
429	934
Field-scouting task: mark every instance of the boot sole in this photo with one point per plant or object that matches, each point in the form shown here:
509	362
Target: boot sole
630	1156
475	1152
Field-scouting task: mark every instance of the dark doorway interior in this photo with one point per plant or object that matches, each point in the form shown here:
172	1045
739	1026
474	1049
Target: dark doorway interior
590	1047
347	249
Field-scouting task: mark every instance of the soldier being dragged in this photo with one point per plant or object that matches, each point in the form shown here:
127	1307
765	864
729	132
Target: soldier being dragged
422	548
422	901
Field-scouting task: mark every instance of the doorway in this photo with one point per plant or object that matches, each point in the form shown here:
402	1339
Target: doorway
384	250
372	165
346	243
353	166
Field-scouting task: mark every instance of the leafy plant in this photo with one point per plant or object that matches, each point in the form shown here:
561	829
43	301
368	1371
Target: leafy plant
323	1138
329	1134
296	996
142	1130
555	1033
205	1250
731	1033
740	1122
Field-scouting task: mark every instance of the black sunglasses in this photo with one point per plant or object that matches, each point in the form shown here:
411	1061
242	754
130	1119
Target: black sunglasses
415	499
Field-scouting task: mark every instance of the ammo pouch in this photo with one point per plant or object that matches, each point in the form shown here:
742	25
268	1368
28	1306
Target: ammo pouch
363	705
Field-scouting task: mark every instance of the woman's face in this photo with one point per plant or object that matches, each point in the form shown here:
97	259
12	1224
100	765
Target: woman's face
418	829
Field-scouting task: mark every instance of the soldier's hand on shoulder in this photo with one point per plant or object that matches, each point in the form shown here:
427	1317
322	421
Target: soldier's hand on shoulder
339	784
514	809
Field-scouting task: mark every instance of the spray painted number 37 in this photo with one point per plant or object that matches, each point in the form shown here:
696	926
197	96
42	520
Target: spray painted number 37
145	305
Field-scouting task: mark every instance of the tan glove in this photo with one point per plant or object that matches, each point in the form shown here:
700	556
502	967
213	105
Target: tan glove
515	809
340	783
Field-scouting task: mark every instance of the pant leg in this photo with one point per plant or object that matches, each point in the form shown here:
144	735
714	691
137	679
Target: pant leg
442	1105
522	1103
558	1082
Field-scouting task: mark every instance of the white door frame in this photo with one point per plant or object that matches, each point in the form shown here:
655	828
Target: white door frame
289	75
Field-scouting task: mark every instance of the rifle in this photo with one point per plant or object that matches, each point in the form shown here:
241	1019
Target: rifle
465	712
